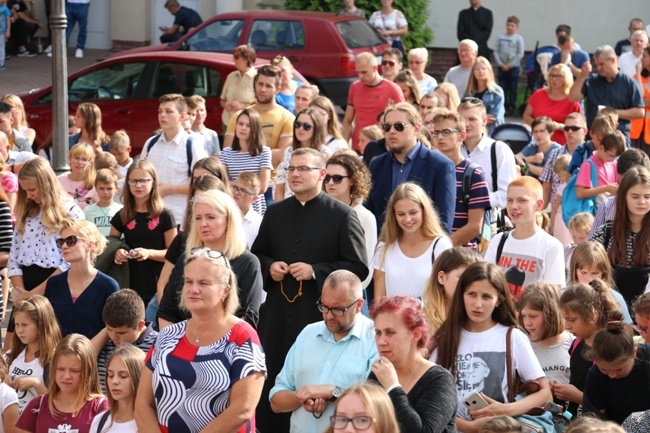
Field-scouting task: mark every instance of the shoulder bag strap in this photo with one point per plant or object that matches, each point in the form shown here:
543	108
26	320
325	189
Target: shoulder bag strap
512	392
102	421
433	251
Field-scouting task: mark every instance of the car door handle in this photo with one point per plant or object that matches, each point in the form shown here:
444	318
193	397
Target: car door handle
34	116
125	111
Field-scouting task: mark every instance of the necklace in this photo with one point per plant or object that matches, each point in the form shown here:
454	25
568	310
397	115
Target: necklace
198	337
411	377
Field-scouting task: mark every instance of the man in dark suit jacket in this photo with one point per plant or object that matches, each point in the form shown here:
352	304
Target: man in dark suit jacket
475	23
411	161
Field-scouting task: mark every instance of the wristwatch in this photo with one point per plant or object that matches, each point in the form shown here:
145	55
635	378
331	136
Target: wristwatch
336	393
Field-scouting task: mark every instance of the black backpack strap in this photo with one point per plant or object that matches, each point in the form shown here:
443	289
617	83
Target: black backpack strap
467	181
502	242
188	151
493	162
102	421
153	141
433	251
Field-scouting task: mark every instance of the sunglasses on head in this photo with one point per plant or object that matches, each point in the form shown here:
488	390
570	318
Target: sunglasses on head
572	128
471	100
336	178
304	125
399	126
70	241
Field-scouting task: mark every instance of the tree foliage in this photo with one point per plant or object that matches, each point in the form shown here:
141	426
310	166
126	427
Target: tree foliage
416	12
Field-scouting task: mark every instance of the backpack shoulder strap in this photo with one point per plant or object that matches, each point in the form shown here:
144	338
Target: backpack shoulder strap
493	163
502	242
467	181
102	421
433	251
574	346
153	141
188	151
594	173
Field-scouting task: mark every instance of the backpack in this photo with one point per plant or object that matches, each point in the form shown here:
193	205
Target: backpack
501	214
486	230
188	151
571	204
580	155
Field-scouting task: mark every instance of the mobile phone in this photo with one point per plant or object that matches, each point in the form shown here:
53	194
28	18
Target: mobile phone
475	401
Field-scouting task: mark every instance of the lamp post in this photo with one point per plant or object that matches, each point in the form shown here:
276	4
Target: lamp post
58	24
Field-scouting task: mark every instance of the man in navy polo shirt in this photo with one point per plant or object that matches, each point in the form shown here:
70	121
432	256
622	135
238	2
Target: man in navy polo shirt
608	88
185	19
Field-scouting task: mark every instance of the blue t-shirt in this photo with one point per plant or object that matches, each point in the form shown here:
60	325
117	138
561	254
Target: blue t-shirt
4	14
532	148
578	58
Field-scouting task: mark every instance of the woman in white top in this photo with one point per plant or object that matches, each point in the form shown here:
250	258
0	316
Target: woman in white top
390	23
409	242
334	139
348	180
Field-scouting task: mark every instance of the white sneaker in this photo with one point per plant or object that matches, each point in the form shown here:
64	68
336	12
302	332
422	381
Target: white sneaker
49	54
48	50
79	54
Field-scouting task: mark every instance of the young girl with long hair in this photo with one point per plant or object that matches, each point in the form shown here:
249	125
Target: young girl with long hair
481	85
586	309
41	207
79	183
147	226
410	240
334	139
589	261
618	382
88	118
440	288
471	344
540	319
74	397
627	237
409	86
249	153
20	116
122	380
32	348
308	132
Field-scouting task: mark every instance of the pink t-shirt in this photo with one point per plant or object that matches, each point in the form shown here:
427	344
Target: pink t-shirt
542	105
75	189
37	417
370	102
9	182
606	173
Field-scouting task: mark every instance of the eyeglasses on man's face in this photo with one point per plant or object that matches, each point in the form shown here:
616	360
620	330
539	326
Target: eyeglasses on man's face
336	311
301	169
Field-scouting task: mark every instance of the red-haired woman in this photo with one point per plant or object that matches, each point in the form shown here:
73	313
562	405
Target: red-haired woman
422	392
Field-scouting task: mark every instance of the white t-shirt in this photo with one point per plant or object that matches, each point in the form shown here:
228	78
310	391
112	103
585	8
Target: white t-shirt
555	359
20	368
540	257
481	363
7	398
369	225
407	275
113	427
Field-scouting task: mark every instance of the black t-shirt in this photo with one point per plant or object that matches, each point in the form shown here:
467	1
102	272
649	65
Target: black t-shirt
579	365
186	18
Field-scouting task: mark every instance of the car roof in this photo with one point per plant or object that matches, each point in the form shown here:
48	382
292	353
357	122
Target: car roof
283	14
190	56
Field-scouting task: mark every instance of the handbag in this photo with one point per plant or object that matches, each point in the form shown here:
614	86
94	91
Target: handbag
546	419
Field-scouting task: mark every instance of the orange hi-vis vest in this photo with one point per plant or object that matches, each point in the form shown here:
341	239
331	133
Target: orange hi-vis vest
642	126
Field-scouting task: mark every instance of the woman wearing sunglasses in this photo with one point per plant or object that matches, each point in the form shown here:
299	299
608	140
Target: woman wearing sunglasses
205	373
308	132
348	180
364	407
78	295
217	225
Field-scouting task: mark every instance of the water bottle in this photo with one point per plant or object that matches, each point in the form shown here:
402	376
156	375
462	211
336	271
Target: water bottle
40	46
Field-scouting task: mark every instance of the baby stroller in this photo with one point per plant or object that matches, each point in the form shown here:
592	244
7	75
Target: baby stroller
516	135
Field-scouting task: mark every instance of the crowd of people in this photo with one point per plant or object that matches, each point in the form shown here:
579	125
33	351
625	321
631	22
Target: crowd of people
387	273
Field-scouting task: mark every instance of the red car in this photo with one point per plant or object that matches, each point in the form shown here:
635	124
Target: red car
322	46
126	88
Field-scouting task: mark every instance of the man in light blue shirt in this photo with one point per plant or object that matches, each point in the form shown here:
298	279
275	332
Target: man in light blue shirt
327	356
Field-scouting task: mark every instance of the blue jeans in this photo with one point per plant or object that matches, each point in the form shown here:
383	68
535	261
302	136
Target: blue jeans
2	49
152	311
77	13
508	80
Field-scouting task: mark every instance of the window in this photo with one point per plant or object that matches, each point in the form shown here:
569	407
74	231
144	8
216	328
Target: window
221	35
118	81
268	35
358	33
186	79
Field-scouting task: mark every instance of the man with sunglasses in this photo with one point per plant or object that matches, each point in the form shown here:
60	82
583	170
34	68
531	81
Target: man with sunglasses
391	63
327	357
408	160
301	240
367	98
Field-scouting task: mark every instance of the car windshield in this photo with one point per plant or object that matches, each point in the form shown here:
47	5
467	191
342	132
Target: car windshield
221	35
359	34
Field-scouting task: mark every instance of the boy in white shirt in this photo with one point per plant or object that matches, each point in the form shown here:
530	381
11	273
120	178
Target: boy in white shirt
196	108
527	253
243	191
103	211
120	147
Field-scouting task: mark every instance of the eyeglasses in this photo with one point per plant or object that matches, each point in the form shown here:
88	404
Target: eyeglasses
336	311
207	252
640	329
238	190
136	182
304	125
70	241
555	76
471	100
80	159
572	128
336	178
399	126
236	56
444	132
301	169
387	63
358	422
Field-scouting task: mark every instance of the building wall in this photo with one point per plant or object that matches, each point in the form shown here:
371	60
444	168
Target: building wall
593	22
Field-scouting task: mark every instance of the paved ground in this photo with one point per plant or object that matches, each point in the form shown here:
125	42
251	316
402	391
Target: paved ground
26	73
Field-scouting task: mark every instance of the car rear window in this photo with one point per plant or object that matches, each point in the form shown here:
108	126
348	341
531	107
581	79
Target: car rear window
359	34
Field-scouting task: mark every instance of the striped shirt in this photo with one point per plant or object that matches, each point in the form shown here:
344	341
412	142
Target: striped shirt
479	197
239	162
